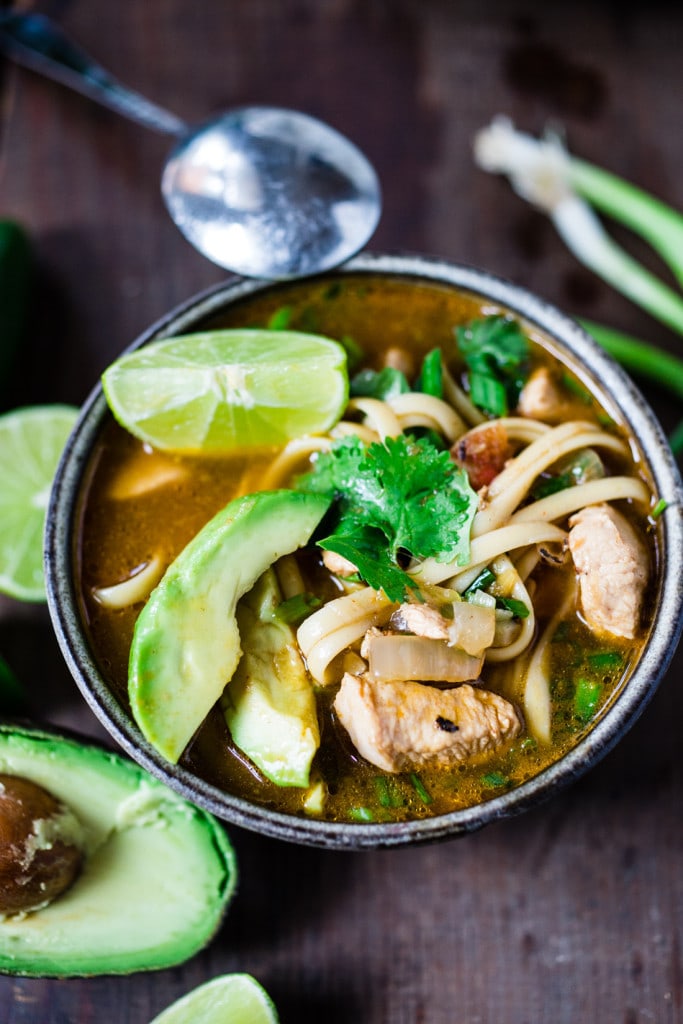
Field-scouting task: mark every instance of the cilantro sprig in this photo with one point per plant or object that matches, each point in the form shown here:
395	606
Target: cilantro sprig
496	354
393	500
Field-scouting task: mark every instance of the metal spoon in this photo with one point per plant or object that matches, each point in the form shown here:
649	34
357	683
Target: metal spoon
262	191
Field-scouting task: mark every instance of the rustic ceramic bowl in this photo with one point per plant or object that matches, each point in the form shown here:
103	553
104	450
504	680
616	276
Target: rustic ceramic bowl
617	391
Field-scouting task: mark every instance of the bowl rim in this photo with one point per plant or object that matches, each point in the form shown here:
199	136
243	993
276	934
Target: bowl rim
616	389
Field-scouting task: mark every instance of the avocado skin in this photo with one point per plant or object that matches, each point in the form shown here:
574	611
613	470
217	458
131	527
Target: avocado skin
186	643
153	922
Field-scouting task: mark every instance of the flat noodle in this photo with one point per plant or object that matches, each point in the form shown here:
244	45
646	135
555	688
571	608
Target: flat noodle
563	503
378	415
536	695
133	590
283	466
340	623
345	428
289	577
484	549
419	410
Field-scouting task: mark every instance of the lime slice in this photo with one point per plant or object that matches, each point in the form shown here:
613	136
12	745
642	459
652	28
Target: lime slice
224	389
230	999
31	442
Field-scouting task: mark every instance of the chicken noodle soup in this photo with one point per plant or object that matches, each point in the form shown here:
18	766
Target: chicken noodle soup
474	595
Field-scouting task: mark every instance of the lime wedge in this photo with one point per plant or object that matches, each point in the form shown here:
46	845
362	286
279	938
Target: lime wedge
31	442
224	389
230	999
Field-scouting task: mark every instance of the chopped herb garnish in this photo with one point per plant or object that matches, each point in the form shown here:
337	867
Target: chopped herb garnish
280	319
484	579
361	814
419	788
394	500
381	384
586	698
660	507
605	659
430	380
496	354
518	608
386	792
296	608
494	780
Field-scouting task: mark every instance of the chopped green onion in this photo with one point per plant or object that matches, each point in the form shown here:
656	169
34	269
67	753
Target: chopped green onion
361	814
419	788
488	394
380	384
518	608
605	659
494	780
386	793
660	507
280	319
484	579
430	381
586	698
577	389
296	608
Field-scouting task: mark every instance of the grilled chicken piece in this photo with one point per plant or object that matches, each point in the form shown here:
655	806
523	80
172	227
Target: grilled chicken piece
471	626
612	563
403	725
338	565
482	454
422	620
542	398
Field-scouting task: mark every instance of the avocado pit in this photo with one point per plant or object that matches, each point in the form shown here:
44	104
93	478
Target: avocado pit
40	856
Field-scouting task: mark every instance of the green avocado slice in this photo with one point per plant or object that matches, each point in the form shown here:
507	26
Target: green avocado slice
157	877
270	705
186	643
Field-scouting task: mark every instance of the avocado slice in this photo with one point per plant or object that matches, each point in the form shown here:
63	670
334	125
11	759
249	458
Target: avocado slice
186	643
157	874
270	705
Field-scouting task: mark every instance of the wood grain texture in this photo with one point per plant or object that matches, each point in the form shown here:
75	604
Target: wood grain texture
572	912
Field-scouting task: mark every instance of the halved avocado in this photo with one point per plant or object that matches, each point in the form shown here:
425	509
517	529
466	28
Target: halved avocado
157	872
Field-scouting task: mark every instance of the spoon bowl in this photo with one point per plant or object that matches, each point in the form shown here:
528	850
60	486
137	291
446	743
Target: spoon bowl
264	192
271	193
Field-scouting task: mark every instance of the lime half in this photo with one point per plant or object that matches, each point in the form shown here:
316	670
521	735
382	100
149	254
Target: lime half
225	389
230	999
31	442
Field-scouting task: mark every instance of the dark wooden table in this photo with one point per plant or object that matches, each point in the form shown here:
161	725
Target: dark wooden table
573	912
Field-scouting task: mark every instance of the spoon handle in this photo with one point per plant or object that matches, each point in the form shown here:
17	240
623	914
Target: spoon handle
39	44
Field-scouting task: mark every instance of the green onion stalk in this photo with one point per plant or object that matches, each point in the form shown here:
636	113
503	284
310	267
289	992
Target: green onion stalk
569	190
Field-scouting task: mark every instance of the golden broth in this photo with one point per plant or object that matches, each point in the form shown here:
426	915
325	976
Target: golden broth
119	533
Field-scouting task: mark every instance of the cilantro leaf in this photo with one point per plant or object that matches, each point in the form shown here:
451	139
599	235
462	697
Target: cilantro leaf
381	384
400	498
496	354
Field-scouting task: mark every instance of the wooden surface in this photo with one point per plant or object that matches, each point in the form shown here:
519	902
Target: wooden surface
572	912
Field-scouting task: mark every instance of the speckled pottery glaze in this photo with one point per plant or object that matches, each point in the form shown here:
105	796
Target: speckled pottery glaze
617	392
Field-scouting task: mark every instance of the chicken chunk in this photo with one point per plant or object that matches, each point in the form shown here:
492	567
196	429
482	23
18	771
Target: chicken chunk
338	565
482	454
542	398
403	725
612	564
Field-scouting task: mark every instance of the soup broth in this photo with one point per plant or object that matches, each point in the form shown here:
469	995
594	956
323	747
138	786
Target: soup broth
127	522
